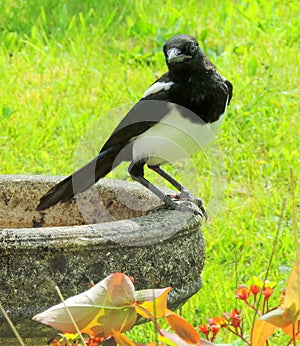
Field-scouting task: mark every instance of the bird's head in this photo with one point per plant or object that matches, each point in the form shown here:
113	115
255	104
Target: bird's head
182	52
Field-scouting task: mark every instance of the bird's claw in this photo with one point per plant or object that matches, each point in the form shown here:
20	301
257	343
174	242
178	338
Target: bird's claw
186	196
186	206
183	205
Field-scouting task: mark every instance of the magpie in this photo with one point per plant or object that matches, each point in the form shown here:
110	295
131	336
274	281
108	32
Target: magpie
176	117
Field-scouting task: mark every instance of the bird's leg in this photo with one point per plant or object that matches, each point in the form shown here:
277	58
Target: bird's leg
136	171
184	192
168	177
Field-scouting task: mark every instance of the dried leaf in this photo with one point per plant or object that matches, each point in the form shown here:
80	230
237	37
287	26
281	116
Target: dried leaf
107	306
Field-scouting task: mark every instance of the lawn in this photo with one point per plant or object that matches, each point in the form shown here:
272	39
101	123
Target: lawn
66	65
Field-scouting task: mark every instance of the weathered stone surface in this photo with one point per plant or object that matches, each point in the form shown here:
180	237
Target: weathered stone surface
162	249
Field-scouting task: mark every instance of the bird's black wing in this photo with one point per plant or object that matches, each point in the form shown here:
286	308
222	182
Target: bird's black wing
147	112
200	103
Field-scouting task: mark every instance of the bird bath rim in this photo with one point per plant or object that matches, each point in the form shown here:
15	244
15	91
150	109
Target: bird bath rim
160	250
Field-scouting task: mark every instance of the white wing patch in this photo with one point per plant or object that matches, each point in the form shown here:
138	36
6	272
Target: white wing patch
226	104
173	138
156	87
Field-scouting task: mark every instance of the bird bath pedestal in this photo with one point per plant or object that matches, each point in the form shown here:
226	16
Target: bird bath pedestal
72	244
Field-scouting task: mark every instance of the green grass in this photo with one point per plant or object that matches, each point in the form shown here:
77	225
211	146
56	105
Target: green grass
66	64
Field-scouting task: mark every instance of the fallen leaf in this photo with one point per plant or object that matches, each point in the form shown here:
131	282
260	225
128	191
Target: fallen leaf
107	306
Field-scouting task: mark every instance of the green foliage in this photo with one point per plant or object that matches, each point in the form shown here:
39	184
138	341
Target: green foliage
66	64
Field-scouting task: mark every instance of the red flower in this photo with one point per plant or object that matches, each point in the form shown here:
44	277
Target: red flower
94	341
219	321
235	318
204	329
213	327
267	292
242	292
215	330
254	289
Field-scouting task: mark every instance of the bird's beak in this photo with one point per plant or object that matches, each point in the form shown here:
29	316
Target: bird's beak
175	55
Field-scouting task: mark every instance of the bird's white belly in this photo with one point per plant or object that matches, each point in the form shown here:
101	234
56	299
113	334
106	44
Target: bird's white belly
173	138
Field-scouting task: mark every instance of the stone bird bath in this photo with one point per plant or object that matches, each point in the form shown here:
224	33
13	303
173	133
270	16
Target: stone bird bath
72	244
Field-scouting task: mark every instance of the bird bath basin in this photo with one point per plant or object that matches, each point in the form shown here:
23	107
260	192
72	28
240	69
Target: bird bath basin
72	244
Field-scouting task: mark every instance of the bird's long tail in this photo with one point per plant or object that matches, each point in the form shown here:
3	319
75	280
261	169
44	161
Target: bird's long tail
80	180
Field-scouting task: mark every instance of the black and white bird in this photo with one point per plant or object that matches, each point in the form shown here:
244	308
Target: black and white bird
177	116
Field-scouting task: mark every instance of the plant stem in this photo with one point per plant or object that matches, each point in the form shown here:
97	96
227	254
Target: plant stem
253	307
152	318
294	335
70	315
13	328
294	210
270	260
238	335
264	306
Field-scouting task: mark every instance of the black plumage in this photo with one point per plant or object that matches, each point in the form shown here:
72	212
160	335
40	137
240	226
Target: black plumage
182	107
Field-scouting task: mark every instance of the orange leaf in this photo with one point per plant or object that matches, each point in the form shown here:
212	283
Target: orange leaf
285	316
260	332
290	329
291	305
122	339
182	328
154	301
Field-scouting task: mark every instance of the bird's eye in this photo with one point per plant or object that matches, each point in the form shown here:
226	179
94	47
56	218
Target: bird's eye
192	48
